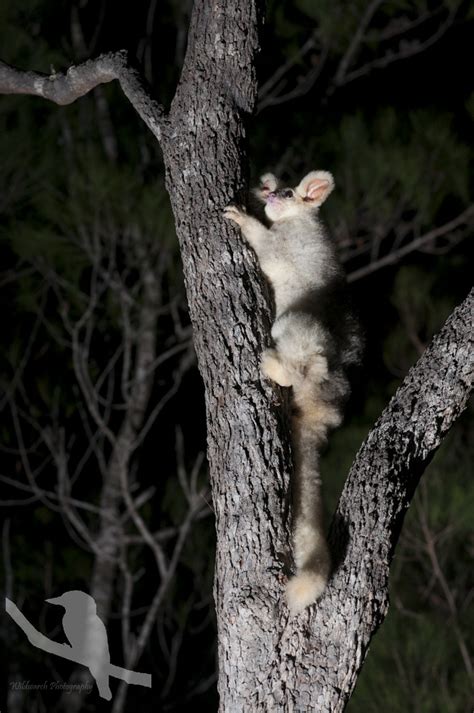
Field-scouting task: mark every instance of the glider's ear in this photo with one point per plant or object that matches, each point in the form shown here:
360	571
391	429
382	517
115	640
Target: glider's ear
315	187
268	183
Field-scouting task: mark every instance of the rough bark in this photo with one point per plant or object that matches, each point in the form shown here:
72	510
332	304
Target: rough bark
267	661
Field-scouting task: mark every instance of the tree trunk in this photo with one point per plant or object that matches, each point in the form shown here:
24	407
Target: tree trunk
248	455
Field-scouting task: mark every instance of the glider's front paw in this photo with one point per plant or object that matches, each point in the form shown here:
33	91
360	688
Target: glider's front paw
237	215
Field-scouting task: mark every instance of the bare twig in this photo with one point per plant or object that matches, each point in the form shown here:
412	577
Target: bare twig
279	73
463	219
356	40
406	50
303	86
430	546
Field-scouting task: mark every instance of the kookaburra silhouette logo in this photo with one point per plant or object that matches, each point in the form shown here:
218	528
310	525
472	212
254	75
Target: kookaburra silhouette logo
87	636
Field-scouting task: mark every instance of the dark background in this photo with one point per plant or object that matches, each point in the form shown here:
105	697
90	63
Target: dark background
399	143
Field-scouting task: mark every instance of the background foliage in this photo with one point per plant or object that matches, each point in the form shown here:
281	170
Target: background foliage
395	131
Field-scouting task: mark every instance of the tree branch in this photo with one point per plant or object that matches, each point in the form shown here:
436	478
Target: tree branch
65	88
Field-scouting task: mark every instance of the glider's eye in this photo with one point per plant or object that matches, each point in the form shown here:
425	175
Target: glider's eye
287	193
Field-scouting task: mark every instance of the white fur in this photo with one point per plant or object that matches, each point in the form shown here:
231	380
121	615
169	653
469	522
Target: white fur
268	182
316	185
303	590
